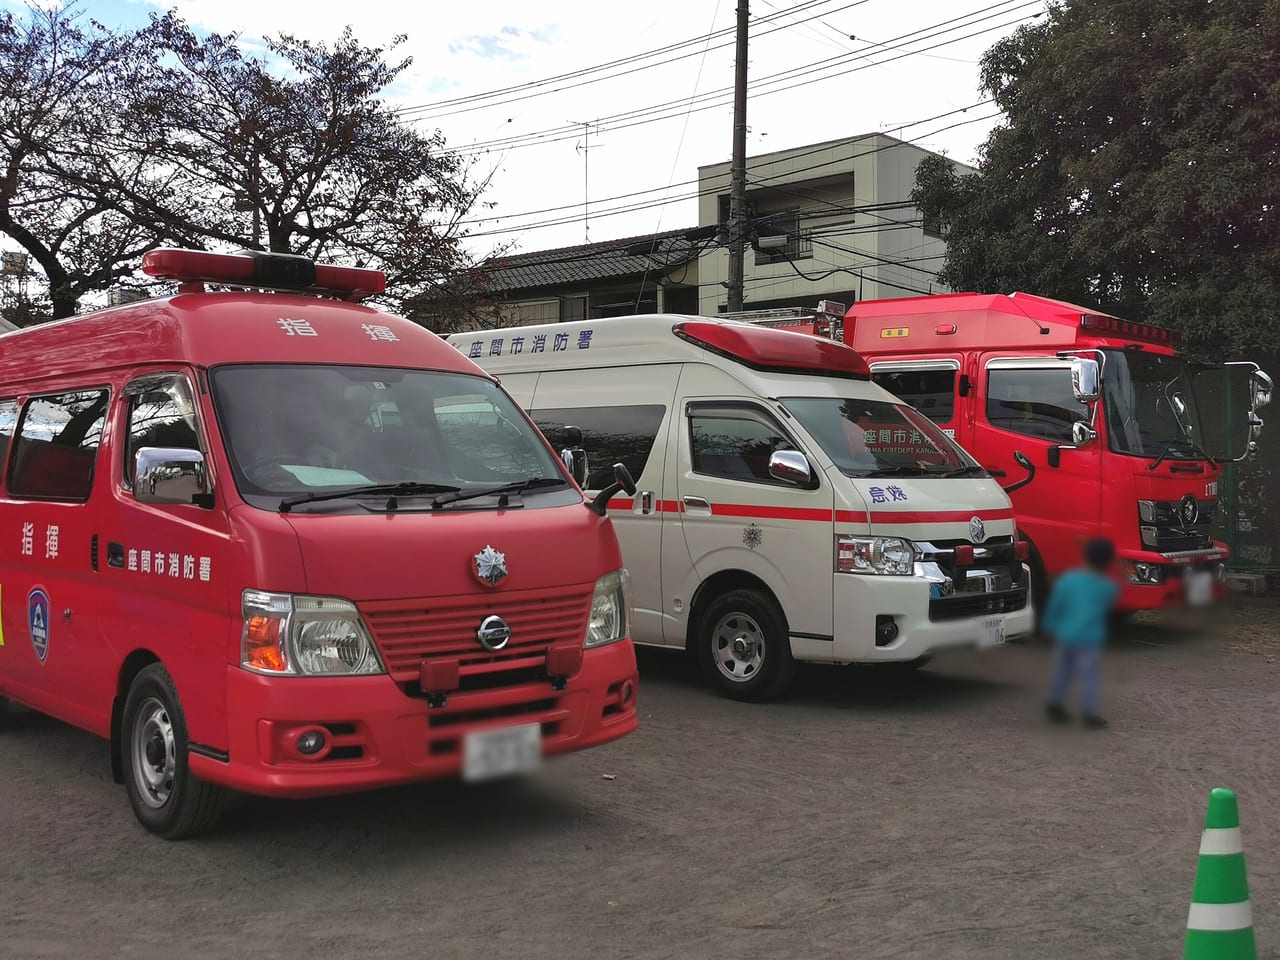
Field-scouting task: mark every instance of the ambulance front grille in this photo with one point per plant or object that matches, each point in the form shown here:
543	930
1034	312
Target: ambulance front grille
410	631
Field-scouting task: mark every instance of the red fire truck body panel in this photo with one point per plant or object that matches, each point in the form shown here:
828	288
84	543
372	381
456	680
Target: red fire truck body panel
1002	354
99	585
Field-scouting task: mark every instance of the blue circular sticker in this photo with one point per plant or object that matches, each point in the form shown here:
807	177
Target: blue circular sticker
38	619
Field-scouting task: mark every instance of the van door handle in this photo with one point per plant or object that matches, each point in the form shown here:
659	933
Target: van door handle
697	503
646	502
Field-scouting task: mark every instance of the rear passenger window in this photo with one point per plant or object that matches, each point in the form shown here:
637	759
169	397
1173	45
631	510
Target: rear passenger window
161	414
610	435
57	444
932	392
735	446
8	422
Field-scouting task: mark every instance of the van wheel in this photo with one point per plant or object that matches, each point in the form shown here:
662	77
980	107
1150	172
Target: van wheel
166	798
744	647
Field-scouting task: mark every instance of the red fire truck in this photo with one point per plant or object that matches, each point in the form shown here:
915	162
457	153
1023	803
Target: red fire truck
1123	437
268	540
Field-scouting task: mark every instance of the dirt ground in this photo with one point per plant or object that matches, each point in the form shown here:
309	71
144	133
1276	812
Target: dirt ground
869	815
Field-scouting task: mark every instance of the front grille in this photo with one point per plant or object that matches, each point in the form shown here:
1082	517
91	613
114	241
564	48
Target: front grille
962	606
1171	534
410	631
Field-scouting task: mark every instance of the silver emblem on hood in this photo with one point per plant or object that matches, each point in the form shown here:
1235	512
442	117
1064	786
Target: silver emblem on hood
977	529
491	566
1189	509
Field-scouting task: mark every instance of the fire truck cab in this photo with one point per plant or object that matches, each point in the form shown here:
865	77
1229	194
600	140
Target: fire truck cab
294	546
1126	437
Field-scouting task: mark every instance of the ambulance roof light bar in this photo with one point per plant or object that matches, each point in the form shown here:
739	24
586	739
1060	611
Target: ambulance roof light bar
775	351
269	271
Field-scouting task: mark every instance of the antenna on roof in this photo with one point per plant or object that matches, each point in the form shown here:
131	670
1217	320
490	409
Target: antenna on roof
584	147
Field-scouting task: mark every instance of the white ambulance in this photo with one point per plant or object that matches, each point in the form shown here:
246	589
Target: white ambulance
787	507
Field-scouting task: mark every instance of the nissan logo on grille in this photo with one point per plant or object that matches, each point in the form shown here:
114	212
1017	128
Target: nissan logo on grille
493	633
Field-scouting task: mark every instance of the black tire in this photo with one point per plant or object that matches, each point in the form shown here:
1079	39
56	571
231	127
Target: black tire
763	668
4	712
1039	592
166	797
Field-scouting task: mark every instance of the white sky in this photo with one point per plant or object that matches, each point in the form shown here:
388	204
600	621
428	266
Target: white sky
466	48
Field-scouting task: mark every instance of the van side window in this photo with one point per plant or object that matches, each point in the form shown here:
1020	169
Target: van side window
932	392
1037	402
610	435
735	444
58	440
8	421
161	414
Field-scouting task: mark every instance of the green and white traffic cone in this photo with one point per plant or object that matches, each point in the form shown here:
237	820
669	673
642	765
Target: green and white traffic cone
1220	922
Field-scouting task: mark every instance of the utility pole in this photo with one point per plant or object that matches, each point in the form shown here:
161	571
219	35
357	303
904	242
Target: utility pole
584	148
738	173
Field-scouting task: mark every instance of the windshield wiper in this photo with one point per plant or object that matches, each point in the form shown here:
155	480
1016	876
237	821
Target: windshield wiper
960	471
905	470
391	490
1173	444
501	492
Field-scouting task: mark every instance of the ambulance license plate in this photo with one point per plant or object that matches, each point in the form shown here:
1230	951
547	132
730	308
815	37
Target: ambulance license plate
1199	588
487	754
993	631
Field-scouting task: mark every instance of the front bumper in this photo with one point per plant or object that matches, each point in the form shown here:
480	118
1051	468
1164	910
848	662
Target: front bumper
860	599
1171	591
381	736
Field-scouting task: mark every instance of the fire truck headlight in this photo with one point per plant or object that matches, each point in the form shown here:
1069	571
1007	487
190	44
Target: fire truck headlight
610	618
288	634
887	556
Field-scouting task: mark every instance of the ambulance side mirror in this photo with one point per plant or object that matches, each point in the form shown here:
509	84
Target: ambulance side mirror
170	475
622	482
574	455
791	466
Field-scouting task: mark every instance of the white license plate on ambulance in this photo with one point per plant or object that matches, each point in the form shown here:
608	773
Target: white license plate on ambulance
1199	588
992	631
503	752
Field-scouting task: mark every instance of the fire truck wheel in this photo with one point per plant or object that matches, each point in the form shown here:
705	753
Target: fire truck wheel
744	647
166	798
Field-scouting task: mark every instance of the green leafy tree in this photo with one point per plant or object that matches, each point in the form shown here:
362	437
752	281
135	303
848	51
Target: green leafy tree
1137	168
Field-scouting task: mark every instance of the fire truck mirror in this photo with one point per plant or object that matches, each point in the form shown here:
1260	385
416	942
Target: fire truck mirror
791	466
1084	379
1261	389
170	475
1082	433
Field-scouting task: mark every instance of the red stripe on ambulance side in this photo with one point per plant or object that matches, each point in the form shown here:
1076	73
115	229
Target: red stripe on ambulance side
754	511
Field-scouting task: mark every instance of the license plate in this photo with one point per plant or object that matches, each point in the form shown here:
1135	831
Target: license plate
1199	588
502	752
993	631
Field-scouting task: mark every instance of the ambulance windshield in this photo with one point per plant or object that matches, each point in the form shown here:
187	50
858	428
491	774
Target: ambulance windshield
875	438
294	430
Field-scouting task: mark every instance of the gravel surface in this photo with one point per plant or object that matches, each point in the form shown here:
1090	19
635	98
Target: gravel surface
869	815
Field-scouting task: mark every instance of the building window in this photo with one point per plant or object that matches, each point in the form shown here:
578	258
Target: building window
787	223
932	226
57	444
573	308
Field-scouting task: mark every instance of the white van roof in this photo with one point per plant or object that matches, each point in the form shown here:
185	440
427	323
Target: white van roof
657	338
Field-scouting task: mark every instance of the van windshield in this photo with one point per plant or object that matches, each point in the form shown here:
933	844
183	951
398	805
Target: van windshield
876	438
295	430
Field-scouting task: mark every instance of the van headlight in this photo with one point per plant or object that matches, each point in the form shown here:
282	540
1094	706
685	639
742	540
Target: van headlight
888	556
293	634
610	618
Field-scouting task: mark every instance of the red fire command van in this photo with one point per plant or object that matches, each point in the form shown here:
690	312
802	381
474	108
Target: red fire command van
293	546
1126	439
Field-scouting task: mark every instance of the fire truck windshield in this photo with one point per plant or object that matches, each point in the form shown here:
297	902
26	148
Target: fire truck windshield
301	431
874	438
1152	407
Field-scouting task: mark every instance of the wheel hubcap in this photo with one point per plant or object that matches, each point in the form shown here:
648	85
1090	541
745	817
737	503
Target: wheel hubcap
737	646
154	753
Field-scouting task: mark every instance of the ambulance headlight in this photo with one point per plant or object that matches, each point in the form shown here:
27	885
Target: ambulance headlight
291	634
887	556
610	618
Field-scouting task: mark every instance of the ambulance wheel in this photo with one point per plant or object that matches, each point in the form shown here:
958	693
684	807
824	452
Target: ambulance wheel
744	647
166	797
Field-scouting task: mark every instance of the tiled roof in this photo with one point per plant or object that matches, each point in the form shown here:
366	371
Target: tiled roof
630	256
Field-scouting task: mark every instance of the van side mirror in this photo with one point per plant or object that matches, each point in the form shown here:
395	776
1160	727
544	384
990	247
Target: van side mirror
1084	379
621	482
170	475
791	466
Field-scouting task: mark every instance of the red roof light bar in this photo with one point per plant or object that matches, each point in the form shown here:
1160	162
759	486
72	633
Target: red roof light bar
1127	328
775	350
276	271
